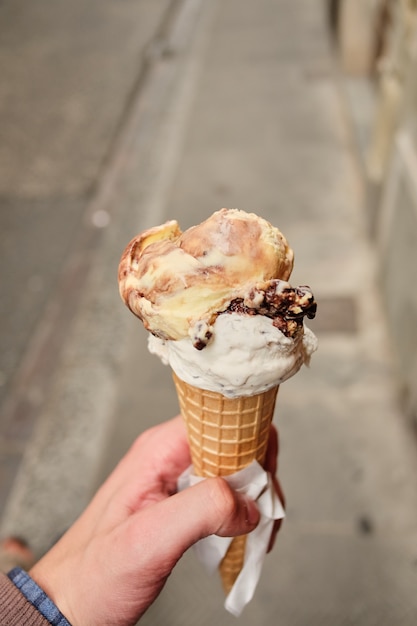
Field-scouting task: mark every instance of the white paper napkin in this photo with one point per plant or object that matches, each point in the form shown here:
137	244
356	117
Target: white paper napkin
257	484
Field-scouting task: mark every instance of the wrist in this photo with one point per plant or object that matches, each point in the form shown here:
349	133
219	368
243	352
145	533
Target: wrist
48	577
37	596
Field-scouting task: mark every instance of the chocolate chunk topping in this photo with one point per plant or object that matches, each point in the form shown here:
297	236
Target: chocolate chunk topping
202	335
286	306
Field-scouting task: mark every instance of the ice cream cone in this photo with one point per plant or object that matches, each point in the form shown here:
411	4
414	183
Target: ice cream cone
226	435
218	307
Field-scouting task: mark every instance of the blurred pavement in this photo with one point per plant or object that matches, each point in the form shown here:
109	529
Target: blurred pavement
183	108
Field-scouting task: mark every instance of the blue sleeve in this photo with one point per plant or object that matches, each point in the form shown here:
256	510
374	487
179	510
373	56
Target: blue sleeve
37	597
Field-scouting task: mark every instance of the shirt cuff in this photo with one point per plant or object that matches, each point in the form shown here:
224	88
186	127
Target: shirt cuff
37	597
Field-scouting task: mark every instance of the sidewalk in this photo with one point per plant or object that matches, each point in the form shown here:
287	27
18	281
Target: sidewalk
245	109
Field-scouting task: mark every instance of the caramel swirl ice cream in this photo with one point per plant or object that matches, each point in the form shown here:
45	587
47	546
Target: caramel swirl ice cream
172	279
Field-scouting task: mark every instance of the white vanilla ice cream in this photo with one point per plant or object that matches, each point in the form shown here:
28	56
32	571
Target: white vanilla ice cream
233	367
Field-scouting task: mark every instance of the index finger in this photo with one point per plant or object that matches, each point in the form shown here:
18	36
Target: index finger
149	469
160	453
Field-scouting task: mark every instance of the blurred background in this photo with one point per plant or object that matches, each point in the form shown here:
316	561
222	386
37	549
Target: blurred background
116	116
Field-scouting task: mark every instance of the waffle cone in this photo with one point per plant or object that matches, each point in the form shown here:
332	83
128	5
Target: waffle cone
226	435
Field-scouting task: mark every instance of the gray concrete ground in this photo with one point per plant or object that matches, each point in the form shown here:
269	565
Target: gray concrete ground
236	104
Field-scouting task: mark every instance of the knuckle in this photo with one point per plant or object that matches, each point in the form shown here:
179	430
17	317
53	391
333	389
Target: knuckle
147	438
142	441
223	500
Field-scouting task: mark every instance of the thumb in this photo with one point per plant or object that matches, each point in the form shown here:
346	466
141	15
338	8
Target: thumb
220	510
209	507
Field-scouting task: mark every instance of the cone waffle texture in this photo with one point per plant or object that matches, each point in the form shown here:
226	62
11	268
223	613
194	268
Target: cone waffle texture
226	435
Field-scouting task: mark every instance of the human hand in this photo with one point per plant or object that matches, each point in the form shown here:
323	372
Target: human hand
113	562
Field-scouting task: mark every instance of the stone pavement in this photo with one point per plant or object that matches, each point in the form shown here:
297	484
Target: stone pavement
244	107
61	127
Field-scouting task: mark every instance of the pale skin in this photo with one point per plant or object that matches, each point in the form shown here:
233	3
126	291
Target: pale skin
113	562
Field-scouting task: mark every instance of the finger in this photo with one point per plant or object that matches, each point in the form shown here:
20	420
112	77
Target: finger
149	471
161	452
271	457
277	523
211	507
175	524
163	448
275	530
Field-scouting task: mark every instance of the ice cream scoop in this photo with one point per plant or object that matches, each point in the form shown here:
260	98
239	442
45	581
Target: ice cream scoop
174	280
